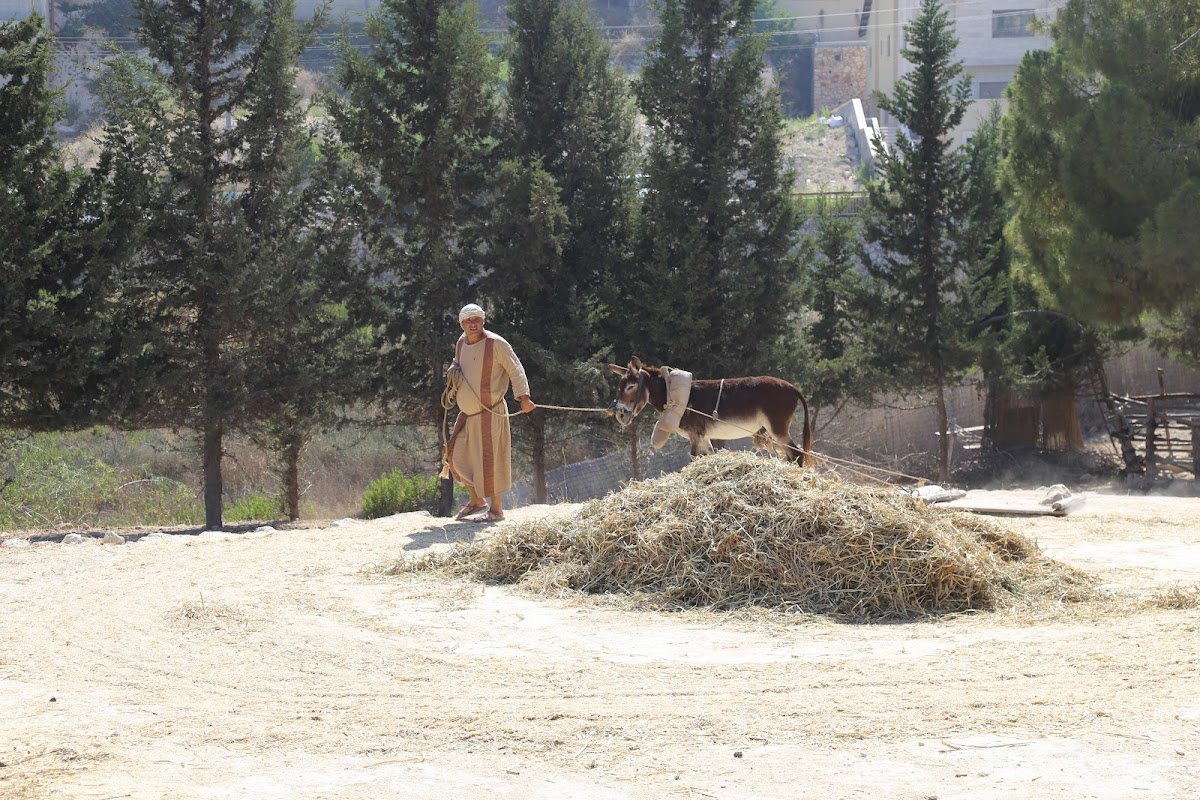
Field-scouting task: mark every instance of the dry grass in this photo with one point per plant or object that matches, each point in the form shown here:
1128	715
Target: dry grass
1174	598
734	530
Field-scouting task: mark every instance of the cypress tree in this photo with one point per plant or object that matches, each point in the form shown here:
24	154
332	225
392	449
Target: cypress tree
916	234
417	111
716	270
208	131
565	203
60	336
1102	131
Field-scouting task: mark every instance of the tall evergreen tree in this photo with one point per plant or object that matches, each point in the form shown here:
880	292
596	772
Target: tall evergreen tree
417	109
1102	129
565	208
318	360
36	191
915	236
219	199
715	274
60	337
833	365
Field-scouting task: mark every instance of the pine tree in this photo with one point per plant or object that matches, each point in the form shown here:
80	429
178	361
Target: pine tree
714	278
565	202
318	359
833	365
59	336
915	234
417	110
208	134
1102	131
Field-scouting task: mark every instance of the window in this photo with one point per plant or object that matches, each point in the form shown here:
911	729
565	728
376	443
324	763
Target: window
1011	24
991	90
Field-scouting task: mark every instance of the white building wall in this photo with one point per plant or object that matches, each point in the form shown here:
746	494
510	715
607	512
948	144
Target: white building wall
989	61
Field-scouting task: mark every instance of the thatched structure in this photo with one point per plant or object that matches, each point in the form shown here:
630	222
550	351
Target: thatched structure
734	530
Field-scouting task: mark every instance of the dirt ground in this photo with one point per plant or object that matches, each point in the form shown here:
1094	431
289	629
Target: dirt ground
282	664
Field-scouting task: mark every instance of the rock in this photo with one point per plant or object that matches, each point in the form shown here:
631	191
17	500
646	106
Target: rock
264	529
72	538
342	522
16	543
1054	494
113	538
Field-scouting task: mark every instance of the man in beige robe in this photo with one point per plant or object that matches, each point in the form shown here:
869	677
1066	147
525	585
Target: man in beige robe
480	449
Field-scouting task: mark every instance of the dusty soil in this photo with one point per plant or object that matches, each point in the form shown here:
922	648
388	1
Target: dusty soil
284	665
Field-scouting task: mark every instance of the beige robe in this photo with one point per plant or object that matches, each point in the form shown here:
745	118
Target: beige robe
481	446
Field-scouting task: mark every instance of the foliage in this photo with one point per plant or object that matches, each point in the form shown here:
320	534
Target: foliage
416	108
396	493
51	480
227	243
833	364
715	266
1102	131
256	508
790	54
916	241
59	338
565	198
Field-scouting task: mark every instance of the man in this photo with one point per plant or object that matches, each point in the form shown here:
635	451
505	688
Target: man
480	448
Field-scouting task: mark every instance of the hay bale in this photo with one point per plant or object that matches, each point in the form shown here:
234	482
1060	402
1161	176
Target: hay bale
734	530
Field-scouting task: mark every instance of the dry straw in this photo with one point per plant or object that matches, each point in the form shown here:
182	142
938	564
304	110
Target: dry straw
734	530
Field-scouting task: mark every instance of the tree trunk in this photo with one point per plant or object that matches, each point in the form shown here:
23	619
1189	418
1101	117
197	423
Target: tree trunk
291	476
537	427
214	484
943	436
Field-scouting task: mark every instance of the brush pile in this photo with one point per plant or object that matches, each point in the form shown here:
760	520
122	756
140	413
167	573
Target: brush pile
733	530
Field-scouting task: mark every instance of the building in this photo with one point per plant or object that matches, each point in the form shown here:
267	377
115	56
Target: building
830	20
993	37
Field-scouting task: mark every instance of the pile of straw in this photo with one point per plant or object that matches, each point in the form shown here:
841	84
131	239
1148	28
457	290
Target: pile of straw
734	530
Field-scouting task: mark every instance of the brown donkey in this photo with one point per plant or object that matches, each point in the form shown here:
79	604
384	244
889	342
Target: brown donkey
730	408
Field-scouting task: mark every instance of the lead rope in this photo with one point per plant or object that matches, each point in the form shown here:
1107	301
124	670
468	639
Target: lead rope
450	393
454	382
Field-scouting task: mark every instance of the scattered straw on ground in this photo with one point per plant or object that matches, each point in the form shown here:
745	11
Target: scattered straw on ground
735	530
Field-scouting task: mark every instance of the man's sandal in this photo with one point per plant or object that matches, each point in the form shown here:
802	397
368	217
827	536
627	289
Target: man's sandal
469	509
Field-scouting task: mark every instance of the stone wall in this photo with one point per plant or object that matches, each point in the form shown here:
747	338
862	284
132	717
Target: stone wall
839	74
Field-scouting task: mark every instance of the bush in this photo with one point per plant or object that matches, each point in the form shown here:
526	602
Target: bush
50	479
256	508
396	493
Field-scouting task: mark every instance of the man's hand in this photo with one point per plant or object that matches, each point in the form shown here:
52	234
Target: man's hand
527	405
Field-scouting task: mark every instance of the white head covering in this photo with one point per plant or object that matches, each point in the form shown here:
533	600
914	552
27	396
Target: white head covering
470	310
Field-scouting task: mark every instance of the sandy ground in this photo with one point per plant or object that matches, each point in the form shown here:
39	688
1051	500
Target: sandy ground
283	665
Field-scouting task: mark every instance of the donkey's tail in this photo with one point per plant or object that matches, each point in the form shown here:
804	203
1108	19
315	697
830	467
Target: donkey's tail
806	439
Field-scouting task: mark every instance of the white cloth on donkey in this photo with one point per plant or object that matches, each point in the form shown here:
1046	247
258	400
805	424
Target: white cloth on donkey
679	388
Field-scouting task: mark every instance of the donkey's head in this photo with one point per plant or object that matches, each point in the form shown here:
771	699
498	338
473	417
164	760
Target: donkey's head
633	392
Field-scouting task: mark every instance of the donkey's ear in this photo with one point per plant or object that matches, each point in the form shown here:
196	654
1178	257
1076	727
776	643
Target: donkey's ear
618	370
636	363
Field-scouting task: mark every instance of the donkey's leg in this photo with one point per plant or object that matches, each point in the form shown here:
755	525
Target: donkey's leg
785	446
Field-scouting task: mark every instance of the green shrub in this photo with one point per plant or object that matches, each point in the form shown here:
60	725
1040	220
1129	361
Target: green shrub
49	483
396	493
255	507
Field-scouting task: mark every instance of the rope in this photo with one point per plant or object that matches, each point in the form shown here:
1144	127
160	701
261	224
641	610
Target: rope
450	400
450	393
848	465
